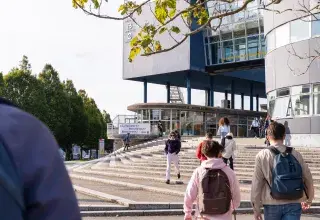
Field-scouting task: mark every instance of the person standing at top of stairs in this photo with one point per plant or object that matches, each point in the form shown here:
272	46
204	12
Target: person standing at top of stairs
126	142
224	127
172	149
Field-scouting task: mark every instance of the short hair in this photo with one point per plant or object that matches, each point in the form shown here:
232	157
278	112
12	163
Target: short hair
209	135
173	134
211	149
276	131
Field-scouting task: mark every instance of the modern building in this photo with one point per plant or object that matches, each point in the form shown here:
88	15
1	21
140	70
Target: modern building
293	70
230	61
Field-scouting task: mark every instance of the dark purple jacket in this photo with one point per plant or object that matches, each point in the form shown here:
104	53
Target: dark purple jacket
172	146
47	189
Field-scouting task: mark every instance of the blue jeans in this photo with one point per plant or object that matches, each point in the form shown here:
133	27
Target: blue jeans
290	211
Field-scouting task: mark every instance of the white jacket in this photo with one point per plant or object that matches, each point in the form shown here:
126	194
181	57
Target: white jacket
229	149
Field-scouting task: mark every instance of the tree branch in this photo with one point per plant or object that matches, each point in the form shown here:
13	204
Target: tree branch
129	15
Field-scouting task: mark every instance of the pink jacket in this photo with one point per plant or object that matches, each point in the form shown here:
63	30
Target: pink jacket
192	189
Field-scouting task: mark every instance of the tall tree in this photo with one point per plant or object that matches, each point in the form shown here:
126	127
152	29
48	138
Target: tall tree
23	89
60	110
24	64
1	84
95	121
106	121
78	118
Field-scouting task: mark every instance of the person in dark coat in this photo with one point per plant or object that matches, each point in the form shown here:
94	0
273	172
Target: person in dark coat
42	188
172	149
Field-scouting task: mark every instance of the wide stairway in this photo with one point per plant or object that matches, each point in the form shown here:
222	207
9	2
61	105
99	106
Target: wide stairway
133	182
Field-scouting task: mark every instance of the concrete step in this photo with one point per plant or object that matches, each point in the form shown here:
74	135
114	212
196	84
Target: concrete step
85	200
131	193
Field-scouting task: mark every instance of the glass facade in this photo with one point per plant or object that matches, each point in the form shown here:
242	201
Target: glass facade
294	31
295	101
239	38
192	123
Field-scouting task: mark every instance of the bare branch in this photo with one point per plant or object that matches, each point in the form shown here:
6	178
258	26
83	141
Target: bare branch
167	49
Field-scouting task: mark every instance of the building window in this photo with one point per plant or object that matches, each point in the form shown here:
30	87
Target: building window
300	100
315	25
253	47
281	107
228	51
300	30
282	35
263	46
240	49
316	99
216	53
271	102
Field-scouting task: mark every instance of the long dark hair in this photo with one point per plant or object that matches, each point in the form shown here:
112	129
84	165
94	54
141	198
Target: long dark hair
224	121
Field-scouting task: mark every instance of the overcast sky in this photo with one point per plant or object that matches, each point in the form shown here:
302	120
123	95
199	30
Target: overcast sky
82	48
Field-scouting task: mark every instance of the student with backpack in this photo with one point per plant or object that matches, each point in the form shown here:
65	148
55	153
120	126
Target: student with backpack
229	145
200	156
215	185
172	149
282	182
33	178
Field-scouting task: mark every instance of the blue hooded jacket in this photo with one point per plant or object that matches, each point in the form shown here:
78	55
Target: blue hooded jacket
41	174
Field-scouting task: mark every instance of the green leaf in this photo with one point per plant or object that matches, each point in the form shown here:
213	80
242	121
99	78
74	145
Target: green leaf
171	4
172	13
157	46
96	3
163	29
161	13
134	41
175	29
145	42
121	8
133	53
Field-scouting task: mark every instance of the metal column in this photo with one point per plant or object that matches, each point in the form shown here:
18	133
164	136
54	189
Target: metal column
168	92
251	96
188	90
211	91
242	101
232	94
145	87
257	102
208	98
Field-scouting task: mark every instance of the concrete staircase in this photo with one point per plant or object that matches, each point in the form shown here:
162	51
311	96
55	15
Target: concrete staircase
134	181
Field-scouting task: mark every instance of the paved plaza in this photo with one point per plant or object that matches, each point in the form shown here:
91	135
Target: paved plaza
132	183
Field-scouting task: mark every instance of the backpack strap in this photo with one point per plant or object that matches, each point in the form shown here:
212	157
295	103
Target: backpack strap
289	150
274	150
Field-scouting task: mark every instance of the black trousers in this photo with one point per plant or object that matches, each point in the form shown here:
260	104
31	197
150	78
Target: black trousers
126	146
230	162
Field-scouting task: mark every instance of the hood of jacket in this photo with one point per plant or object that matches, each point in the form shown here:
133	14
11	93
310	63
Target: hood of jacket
213	163
229	137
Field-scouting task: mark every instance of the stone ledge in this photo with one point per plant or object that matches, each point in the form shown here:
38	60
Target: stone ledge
132	185
167	212
104	196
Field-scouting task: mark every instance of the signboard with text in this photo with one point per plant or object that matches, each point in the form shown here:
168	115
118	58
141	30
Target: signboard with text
142	128
101	147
